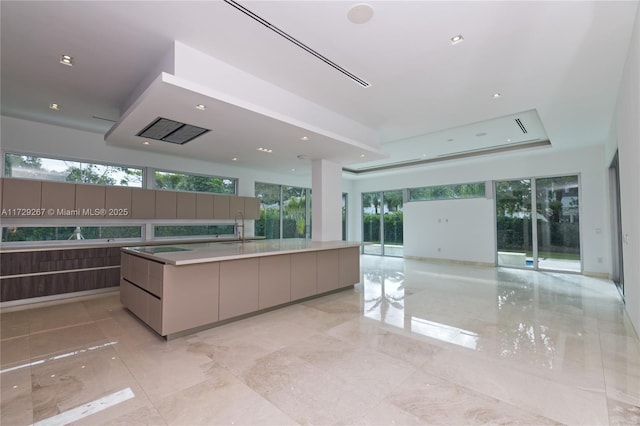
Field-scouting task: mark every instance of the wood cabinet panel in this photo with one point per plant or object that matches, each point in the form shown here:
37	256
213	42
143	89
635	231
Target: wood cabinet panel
349	266
221	207
20	194
59	196
251	208
275	281
190	296
166	205
143	203
303	275
328	270
156	277
138	271
90	198
118	198
186	205
239	293
236	204
204	206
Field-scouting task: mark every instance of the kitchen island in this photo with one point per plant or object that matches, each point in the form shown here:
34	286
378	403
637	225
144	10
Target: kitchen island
184	288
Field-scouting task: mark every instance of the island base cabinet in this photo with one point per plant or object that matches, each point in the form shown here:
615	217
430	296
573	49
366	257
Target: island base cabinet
303	275
145	306
275	281
239	293
349	266
328	270
174	299
190	296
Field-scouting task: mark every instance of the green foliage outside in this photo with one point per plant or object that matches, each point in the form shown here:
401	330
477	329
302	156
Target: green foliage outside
557	221
187	182
393	233
72	171
62	233
446	192
192	230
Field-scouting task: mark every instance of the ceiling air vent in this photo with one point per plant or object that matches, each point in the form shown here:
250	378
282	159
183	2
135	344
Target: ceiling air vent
519	123
297	42
163	129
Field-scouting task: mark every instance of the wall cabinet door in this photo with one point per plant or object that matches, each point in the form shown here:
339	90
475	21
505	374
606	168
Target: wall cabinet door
236	204
204	206
238	287
186	208
275	281
143	203
251	208
166	205
90	200
118	200
221	207
19	195
59	197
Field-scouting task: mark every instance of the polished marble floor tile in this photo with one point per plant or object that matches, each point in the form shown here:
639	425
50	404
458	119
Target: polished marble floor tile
414	343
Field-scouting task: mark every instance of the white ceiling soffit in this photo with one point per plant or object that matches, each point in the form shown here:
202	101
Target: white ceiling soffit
502	134
236	132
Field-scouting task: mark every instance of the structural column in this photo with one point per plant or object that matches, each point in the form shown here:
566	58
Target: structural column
326	187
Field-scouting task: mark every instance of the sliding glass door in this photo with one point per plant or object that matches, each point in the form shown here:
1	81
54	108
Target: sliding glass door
558	223
382	223
552	240
513	223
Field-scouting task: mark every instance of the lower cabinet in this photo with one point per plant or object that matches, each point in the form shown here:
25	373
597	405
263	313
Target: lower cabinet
172	299
239	292
275	281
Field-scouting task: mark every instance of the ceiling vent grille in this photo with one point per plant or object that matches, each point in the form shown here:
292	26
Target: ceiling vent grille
521	126
298	43
163	129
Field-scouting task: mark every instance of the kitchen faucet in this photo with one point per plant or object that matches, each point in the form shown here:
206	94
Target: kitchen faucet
235	219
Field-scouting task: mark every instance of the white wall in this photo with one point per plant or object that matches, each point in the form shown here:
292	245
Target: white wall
448	229
587	162
626	135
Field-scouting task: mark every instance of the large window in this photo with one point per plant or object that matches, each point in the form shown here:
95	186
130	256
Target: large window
447	192
43	168
68	233
188	182
285	211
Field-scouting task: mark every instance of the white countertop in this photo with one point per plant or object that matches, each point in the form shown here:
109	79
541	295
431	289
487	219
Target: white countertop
187	254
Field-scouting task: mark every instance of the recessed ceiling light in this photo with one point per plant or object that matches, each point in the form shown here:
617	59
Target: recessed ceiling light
508	139
362	155
234	159
146	143
457	39
305	138
66	60
360	13
267	150
54	107
201	107
293	170
496	95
